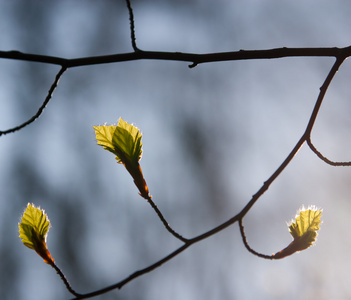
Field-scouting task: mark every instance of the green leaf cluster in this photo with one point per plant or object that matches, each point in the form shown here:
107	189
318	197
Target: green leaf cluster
123	140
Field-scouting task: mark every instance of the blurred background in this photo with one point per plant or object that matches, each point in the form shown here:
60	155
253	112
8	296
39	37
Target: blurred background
212	135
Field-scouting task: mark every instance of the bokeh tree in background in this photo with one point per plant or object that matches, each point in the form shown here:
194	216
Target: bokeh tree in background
212	135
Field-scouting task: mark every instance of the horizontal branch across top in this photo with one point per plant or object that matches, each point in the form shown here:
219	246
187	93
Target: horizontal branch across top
179	56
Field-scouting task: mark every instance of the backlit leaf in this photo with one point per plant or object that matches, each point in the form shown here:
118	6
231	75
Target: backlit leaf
303	230
33	231
307	220
123	140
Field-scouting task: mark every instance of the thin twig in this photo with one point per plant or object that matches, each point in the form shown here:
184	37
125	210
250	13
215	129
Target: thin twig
136	274
41	108
64	279
322	91
242	232
165	223
132	26
325	159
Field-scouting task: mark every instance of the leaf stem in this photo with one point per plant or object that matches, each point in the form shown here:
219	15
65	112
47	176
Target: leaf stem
165	223
64	279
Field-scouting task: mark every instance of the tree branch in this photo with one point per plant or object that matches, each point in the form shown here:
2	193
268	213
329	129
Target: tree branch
136	274
194	59
164	221
325	159
132	26
340	53
242	232
179	56
64	279
239	217
41	108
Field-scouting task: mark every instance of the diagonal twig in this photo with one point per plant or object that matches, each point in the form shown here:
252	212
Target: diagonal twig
64	279
164	221
41	108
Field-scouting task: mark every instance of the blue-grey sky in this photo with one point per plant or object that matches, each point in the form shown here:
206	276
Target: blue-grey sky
212	135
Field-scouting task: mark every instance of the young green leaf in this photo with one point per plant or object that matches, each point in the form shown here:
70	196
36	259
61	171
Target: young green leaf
303	230
33	231
124	141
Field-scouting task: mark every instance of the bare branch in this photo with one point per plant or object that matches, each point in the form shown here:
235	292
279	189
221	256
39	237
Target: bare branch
64	279
340	53
41	108
242	232
179	56
323	89
132	26
165	223
17	55
326	160
136	274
